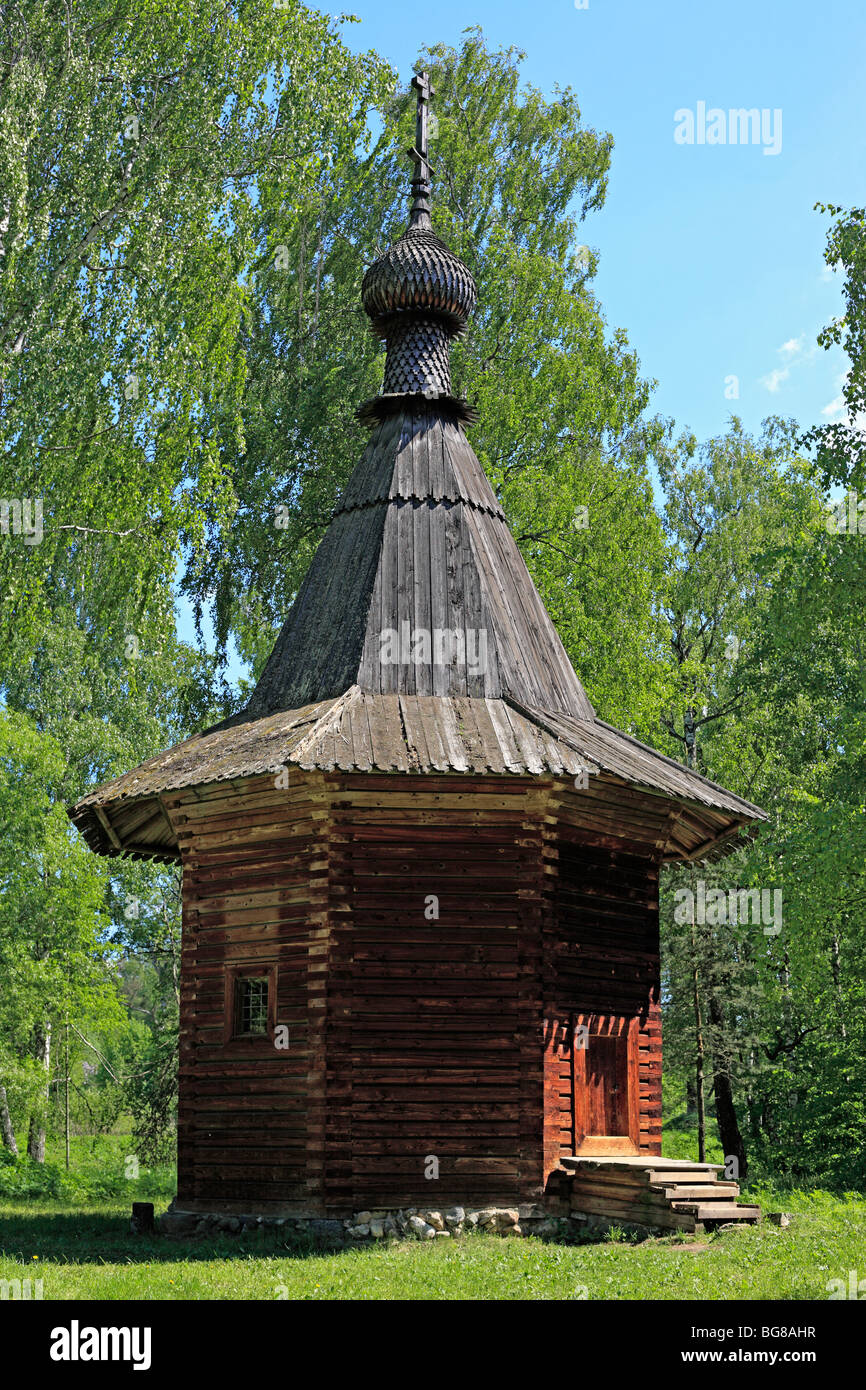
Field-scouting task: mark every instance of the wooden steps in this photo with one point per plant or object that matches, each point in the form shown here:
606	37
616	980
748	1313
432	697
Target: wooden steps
701	1192
666	1179
719	1211
655	1193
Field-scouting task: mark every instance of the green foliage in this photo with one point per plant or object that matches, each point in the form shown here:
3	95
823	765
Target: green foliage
54	952
99	1169
781	721
151	1095
131	141
66	914
839	448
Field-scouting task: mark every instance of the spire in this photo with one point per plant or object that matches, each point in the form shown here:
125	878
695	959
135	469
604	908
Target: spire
419	296
420	214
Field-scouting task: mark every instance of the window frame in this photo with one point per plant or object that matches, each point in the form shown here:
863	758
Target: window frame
256	970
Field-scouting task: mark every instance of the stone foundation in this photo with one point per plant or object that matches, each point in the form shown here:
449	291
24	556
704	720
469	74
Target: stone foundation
413	1223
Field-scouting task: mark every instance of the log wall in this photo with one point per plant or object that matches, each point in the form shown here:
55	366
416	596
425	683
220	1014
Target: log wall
251	1117
433	1038
423	935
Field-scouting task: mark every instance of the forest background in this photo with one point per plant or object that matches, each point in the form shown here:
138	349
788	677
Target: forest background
185	218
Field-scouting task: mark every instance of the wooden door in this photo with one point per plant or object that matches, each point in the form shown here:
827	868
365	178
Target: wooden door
605	1061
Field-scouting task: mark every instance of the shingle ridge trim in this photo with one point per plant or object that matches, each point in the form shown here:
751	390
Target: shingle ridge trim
416	500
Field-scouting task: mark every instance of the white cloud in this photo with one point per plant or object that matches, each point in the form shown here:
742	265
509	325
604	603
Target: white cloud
794	353
836	407
773	380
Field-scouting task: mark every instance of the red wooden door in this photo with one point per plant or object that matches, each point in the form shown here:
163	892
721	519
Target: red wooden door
605	1088
607	1084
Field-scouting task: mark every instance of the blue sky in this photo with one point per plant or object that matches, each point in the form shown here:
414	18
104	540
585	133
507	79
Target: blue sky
710	255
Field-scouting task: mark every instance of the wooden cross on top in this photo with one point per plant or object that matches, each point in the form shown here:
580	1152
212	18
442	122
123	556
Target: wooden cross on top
418	153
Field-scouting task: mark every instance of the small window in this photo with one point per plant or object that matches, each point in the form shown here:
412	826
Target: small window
251	1006
251	994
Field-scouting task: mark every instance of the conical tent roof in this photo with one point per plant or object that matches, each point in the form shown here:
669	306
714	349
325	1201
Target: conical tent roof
418	641
418	587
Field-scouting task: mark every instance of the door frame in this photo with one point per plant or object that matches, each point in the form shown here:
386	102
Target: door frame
604	1025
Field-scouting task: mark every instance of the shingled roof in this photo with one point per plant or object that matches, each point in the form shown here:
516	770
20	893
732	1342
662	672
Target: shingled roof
418	642
419	547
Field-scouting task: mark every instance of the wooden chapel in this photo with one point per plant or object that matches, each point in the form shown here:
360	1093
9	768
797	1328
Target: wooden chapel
420	875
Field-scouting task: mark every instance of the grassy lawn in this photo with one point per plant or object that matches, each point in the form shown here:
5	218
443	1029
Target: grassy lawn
72	1232
84	1250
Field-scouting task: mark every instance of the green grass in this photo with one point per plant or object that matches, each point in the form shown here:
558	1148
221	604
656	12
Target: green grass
86	1251
99	1168
72	1232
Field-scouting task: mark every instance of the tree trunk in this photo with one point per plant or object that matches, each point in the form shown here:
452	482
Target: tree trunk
691	738
726	1114
301	267
699	1046
837	983
691	1095
6	1129
36	1135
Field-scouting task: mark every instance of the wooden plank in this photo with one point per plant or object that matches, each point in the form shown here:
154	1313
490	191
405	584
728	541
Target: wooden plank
718	1211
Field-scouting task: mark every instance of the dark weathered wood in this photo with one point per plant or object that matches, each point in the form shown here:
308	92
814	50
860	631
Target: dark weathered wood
429	734
410	1036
